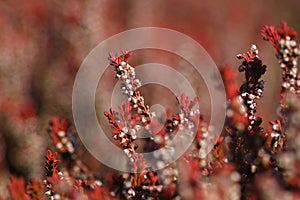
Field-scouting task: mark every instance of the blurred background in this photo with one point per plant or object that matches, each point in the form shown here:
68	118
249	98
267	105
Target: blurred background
43	43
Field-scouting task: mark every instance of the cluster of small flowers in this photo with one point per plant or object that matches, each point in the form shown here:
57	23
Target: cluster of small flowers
190	120
275	137
61	185
61	138
189	115
144	185
65	143
207	159
187	120
202	144
252	88
287	49
75	178
125	127
289	157
129	84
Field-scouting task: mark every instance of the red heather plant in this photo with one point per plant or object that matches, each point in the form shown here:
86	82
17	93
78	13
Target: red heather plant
287	49
246	162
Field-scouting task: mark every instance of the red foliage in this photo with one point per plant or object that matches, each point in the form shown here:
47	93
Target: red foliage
35	189
186	103
51	163
116	59
59	124
60	135
284	31
272	34
16	188
250	55
275	137
122	119
269	33
229	77
112	120
188	107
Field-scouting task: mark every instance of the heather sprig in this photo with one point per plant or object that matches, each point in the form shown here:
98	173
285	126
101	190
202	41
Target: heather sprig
129	84
60	135
245	144
252	88
125	127
284	41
